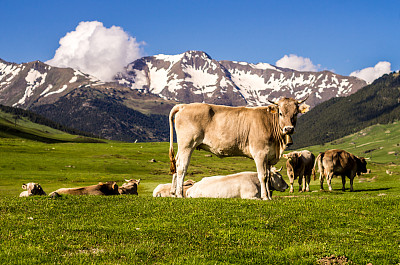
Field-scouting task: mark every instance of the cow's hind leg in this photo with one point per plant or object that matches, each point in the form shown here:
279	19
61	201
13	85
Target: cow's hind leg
301	186
307	180
182	166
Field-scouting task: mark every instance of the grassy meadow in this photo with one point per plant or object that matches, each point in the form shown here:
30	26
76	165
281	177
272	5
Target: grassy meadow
317	227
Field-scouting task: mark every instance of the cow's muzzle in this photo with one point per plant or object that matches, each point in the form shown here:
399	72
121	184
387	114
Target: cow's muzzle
288	130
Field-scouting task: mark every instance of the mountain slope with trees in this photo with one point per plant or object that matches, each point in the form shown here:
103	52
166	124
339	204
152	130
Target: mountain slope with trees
376	103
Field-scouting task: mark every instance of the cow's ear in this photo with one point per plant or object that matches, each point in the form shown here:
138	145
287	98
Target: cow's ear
138	181
273	109
285	156
101	183
303	108
24	186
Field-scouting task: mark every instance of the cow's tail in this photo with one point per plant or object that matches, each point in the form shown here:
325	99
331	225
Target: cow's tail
172	160
319	161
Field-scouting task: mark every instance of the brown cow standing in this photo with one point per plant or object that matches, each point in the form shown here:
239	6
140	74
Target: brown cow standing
299	165
339	163
257	133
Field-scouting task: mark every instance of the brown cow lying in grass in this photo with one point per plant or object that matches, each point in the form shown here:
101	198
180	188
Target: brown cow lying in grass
164	190
108	188
129	187
32	189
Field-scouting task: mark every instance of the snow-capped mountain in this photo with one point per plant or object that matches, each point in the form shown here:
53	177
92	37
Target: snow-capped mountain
135	106
194	76
22	85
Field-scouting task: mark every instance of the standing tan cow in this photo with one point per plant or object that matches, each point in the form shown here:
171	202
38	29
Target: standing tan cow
339	163
299	165
257	133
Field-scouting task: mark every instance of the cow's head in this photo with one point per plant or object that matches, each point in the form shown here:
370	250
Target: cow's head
33	189
129	187
277	182
292	161
361	165
287	109
109	188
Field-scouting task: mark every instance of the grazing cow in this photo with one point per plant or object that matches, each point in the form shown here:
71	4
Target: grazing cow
129	187
245	185
300	165
32	189
258	133
339	163
108	188
164	190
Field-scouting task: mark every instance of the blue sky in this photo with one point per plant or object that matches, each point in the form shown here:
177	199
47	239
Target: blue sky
341	36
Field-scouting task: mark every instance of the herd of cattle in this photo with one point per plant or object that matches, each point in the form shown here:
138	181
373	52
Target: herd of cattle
259	133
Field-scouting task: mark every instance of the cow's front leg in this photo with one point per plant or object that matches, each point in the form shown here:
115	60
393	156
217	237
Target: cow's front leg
173	185
343	183
301	186
329	180
291	180
291	187
351	182
264	177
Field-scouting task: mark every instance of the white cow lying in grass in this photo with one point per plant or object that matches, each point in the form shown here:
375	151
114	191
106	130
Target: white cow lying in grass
164	190
32	189
245	185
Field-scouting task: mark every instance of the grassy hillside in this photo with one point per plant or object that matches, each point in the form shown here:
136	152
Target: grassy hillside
14	125
338	117
301	228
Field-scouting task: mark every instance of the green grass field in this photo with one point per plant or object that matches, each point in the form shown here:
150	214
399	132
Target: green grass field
301	228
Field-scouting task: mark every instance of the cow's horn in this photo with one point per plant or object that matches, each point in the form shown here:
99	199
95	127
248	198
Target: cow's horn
272	102
301	101
279	169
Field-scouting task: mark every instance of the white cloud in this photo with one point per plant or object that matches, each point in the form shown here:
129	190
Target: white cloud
369	74
297	63
97	50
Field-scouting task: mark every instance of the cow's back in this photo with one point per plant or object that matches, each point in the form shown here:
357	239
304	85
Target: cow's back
339	161
308	159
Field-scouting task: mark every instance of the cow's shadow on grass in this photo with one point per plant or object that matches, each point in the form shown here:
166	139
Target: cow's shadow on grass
364	190
339	190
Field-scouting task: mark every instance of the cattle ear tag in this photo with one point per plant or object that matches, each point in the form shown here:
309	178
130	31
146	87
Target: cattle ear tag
272	109
304	108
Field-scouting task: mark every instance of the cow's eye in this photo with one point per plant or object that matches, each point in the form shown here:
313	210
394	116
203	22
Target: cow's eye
280	114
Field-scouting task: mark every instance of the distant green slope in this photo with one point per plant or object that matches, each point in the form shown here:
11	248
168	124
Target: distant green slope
379	143
17	126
